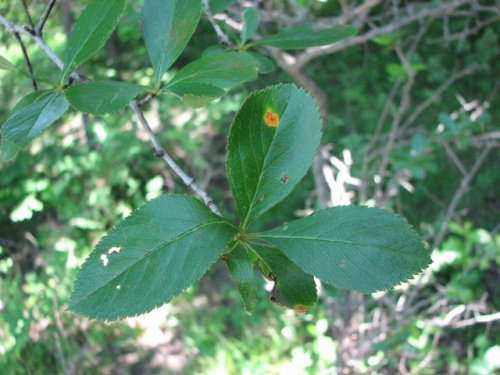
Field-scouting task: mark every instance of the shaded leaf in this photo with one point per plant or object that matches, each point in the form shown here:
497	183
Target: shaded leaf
100	97
6	64
168	26
353	247
251	19
91	31
30	117
149	258
240	266
211	75
266	64
272	143
304	36
293	287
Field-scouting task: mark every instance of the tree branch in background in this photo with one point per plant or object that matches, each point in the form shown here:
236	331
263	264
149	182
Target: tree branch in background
223	37
27	59
28	15
46	14
462	189
159	150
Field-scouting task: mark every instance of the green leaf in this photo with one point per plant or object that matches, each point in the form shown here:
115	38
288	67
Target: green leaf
196	94
6	64
209	76
293	288
251	19
240	266
266	65
353	247
264	162
149	258
91	32
30	117
168	26
305	36
218	6
100	97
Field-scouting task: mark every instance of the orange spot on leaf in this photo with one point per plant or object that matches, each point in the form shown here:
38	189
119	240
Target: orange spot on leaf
300	308
271	118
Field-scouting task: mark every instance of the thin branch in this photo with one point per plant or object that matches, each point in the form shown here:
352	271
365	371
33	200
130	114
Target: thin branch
315	52
462	189
27	59
223	37
160	152
28	15
46	14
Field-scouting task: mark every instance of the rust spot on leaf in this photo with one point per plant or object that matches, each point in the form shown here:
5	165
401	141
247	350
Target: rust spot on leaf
284	178
271	118
300	308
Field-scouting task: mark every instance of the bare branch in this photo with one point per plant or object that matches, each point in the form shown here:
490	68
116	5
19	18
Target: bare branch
223	37
315	52
27	59
462	189
28	15
160	152
41	24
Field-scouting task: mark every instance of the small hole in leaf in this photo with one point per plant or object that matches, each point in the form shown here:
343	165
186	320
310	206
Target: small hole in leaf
104	260
271	118
118	286
114	250
284	178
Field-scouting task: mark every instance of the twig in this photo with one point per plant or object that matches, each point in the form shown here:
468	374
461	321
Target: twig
223	37
41	24
160	152
315	52
28	15
27	59
462	189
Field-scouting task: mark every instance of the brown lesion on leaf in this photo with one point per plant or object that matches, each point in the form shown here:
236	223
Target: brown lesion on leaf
271	118
300	308
284	178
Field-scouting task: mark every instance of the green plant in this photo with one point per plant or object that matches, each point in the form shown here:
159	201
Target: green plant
169	243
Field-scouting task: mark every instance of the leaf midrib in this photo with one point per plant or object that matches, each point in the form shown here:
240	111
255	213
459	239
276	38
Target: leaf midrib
154	250
345	242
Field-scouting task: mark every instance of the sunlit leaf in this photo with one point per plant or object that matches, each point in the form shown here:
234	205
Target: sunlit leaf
168	26
271	146
91	31
100	97
149	258
210	76
31	116
353	247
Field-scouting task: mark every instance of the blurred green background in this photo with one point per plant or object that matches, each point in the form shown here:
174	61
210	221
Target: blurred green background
88	172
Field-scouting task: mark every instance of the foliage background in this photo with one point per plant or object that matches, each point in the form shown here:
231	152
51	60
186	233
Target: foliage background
76	181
